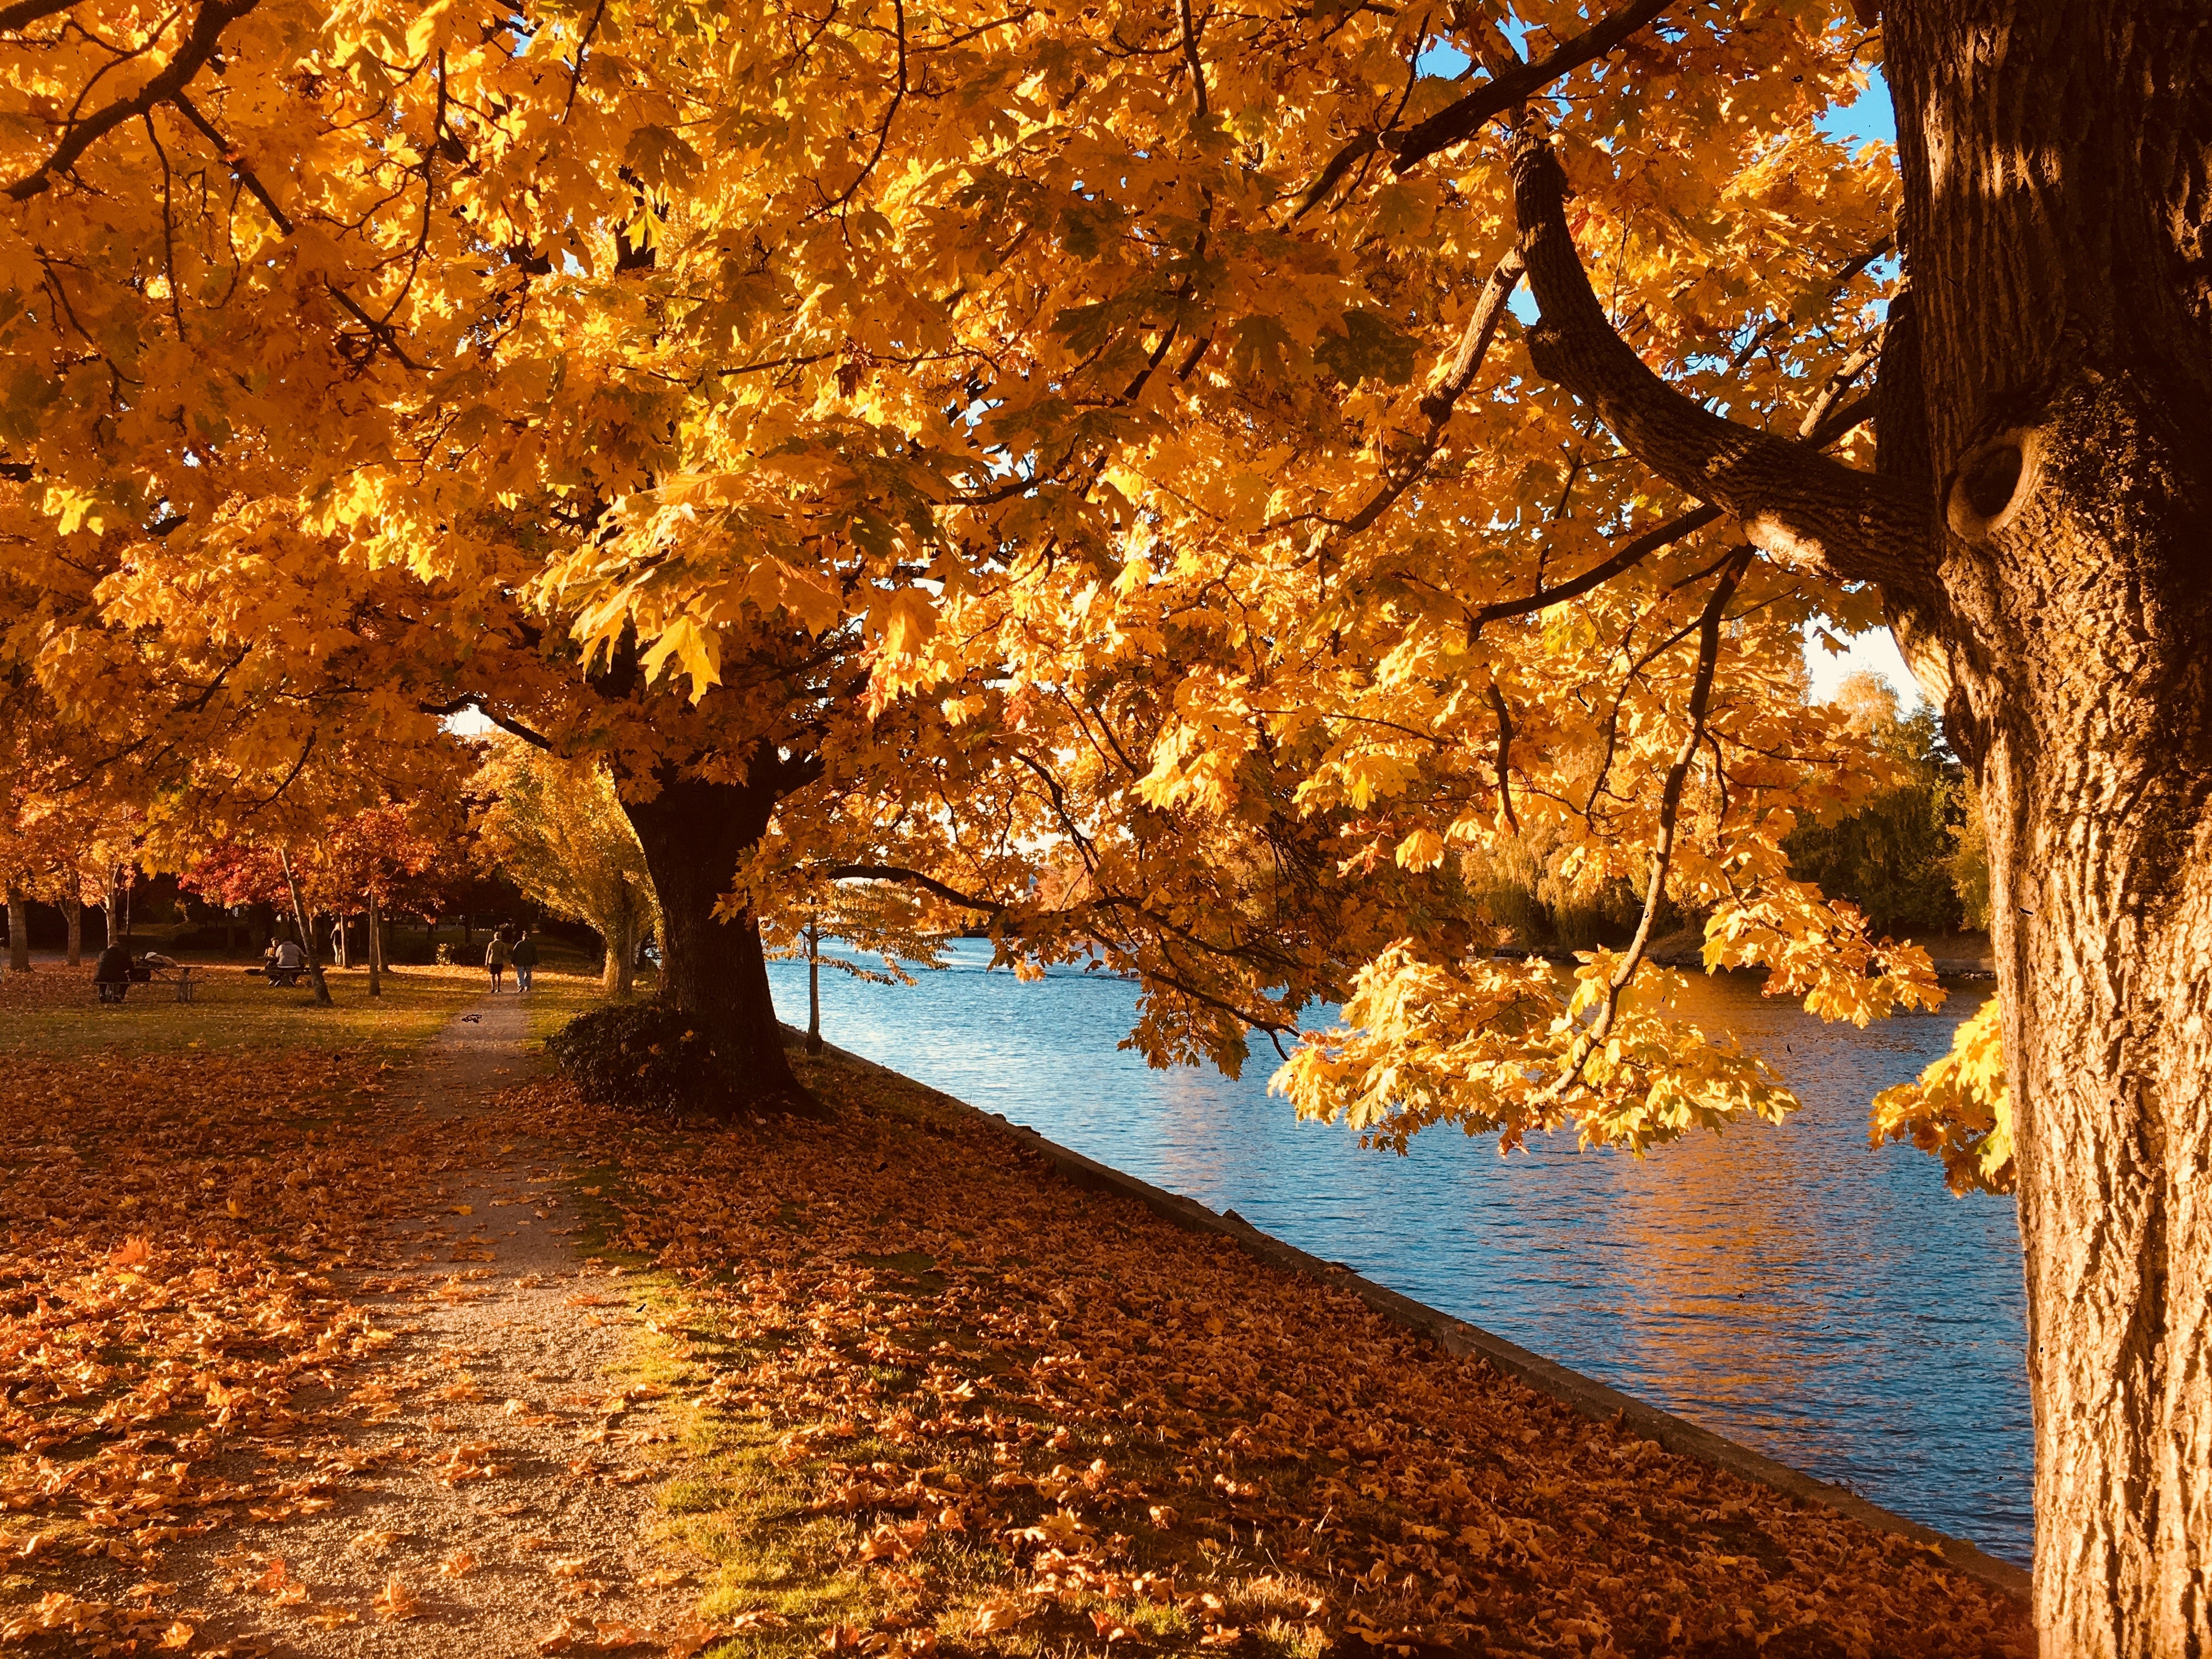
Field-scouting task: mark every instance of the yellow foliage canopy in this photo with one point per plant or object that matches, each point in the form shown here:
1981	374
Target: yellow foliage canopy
1092	455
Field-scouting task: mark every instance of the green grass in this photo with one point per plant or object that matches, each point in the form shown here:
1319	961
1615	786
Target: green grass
55	1011
557	998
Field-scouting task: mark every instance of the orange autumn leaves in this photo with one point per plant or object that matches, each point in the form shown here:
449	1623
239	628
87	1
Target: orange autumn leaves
147	1335
1113	436
1039	1417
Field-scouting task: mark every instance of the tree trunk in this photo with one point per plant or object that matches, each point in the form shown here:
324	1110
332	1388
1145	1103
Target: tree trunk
813	990
376	952
693	834
19	931
73	920
2048	391
307	933
619	932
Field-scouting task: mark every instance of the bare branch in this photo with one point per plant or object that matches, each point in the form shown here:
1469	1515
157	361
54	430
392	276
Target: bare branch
1504	755
198	46
1594	1035
1797	505
912	878
506	723
1442	397
1191	59
1837	283
384	334
1356	149
1462	118
584	45
1650	542
233	162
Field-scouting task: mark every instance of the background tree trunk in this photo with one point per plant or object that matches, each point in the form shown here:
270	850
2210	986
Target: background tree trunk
73	920
19	931
694	834
2047	388
375	950
813	990
619	932
306	926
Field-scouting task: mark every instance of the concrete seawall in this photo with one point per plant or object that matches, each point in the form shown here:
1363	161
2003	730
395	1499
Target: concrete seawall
1586	1394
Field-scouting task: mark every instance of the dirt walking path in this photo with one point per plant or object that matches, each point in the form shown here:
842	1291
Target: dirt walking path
496	1495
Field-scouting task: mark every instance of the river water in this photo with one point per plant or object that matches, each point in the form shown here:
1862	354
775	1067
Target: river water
1826	1301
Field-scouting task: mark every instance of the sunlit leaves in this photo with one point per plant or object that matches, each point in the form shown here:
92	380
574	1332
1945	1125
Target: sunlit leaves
1958	1109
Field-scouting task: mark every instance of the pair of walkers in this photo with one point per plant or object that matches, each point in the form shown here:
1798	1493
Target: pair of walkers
519	948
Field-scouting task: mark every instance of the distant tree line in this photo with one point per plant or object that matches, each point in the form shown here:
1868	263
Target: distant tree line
1913	858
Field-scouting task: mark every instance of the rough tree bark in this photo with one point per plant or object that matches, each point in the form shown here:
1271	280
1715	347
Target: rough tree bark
694	834
2040	525
73	917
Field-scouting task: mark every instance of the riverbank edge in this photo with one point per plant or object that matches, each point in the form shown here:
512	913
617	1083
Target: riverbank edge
1586	1394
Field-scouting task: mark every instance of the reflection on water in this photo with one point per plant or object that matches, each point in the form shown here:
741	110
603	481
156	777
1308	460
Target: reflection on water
1826	1301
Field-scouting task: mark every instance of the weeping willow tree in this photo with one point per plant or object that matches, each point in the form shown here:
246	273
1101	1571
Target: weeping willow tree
555	827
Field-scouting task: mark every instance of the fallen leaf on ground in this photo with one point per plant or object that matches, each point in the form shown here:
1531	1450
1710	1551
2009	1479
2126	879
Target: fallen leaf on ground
566	1635
397	1601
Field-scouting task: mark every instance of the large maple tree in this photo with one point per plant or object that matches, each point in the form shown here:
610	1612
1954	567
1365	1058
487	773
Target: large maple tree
1088	464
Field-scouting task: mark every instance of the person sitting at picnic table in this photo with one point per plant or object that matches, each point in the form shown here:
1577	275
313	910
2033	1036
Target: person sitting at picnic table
495	959
111	973
524	958
284	961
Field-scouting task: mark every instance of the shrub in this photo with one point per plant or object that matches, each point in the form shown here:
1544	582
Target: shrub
461	956
642	1056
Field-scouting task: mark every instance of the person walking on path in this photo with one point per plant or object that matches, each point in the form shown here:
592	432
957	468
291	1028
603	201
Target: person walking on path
524	958
495	959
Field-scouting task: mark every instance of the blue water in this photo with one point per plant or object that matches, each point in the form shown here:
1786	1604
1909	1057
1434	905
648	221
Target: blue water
1827	1302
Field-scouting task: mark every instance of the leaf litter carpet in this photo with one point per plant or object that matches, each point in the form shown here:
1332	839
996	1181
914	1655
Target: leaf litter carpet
301	1357
289	1377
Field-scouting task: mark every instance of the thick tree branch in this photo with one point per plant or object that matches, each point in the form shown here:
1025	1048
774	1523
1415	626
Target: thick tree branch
1461	119
198	46
28	12
1796	505
513	728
